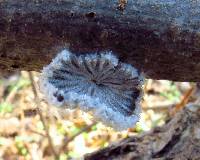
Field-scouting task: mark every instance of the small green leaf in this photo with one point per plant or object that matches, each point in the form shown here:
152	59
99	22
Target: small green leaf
63	157
40	125
6	107
73	154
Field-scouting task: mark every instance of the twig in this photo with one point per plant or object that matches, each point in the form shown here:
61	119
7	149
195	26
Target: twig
161	108
46	128
36	132
12	93
68	140
183	102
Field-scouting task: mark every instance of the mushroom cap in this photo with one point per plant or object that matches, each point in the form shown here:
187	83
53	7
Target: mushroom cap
99	83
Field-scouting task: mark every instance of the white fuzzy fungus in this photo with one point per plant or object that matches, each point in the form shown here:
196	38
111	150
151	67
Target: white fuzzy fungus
97	83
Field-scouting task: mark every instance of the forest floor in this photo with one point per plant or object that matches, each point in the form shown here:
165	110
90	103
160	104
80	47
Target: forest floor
30	129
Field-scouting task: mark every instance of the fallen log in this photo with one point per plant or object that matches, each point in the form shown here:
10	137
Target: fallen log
160	38
178	139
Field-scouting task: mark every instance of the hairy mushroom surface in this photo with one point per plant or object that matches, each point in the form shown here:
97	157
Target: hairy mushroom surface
95	82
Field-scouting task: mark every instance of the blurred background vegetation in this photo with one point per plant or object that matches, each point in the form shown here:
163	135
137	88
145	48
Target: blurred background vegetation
30	129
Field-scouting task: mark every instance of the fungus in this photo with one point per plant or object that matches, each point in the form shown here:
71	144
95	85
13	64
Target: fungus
94	82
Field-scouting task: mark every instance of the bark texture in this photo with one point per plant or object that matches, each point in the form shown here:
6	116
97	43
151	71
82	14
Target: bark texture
179	139
159	37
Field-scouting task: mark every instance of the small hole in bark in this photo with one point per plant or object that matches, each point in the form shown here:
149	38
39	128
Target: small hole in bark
90	15
15	66
3	55
72	14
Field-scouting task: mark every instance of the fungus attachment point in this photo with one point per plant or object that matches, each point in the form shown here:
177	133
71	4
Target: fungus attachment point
95	82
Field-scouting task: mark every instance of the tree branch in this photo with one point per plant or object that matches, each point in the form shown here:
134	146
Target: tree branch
178	139
161	38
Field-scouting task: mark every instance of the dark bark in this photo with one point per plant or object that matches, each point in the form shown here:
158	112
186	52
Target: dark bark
160	38
177	140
